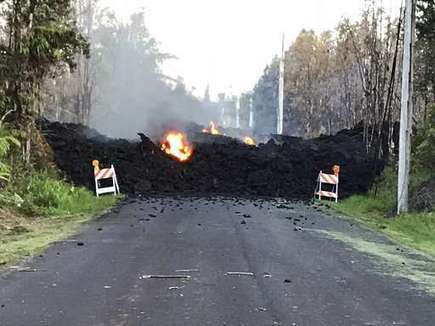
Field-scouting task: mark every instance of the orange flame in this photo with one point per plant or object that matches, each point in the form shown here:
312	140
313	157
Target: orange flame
249	141
175	143
212	129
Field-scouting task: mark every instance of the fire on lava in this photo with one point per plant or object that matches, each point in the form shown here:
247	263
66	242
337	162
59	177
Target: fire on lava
175	144
249	141
212	129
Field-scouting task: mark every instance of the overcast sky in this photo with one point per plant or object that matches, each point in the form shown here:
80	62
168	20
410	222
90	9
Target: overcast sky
227	43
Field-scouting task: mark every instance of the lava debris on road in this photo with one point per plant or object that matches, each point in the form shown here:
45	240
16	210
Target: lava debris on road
283	167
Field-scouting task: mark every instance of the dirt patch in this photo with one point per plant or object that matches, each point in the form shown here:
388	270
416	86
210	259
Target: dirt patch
283	167
12	223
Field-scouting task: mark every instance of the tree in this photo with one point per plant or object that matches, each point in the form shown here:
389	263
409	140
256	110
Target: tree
86	68
7	142
376	45
245	102
425	53
334	80
71	96
39	40
308	62
265	99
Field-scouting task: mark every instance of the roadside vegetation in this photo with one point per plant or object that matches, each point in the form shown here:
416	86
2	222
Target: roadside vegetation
39	41
57	59
377	208
37	206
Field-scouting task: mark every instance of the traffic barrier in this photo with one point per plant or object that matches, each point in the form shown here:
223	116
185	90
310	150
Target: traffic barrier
330	179
105	174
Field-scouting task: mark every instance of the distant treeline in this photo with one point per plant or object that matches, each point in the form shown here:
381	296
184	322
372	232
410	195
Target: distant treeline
336	79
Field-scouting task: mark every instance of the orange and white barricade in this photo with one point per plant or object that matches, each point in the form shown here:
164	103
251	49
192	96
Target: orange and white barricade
328	179
104	174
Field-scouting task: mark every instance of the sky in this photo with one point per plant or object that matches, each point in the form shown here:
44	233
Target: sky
227	43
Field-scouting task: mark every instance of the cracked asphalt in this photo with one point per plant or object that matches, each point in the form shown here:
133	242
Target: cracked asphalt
300	276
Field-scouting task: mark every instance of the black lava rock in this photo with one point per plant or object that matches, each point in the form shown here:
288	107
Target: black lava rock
288	168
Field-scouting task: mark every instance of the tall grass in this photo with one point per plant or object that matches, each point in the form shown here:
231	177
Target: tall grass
45	194
7	142
377	210
40	193
38	207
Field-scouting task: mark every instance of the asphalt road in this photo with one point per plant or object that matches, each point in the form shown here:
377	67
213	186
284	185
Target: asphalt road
301	277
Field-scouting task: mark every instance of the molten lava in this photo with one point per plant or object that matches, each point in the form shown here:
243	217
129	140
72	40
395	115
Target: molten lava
175	143
249	141
212	129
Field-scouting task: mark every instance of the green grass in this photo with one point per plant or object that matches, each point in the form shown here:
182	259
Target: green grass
35	235
40	208
45	194
376	210
390	261
416	230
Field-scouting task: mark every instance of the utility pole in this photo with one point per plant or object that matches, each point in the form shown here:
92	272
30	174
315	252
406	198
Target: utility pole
237	113
280	111
406	109
251	112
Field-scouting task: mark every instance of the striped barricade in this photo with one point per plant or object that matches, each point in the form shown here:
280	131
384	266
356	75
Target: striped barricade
105	174
330	179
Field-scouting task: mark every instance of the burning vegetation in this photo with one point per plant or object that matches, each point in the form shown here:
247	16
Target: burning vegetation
212	129
249	141
175	144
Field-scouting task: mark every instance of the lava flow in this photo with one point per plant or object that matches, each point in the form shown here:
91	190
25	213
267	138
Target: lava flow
175	143
212	129
249	141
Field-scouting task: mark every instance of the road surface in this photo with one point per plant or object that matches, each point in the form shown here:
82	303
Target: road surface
301	276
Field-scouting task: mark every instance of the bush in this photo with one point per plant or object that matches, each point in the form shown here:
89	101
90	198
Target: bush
425	141
45	194
414	229
7	141
41	193
384	190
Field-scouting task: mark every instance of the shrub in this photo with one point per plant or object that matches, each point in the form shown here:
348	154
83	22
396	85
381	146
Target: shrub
425	141
45	194
7	141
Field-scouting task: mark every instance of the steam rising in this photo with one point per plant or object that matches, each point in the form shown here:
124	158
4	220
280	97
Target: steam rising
132	95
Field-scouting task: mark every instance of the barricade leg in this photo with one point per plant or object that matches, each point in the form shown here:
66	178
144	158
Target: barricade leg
114	185
116	182
320	191
96	188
